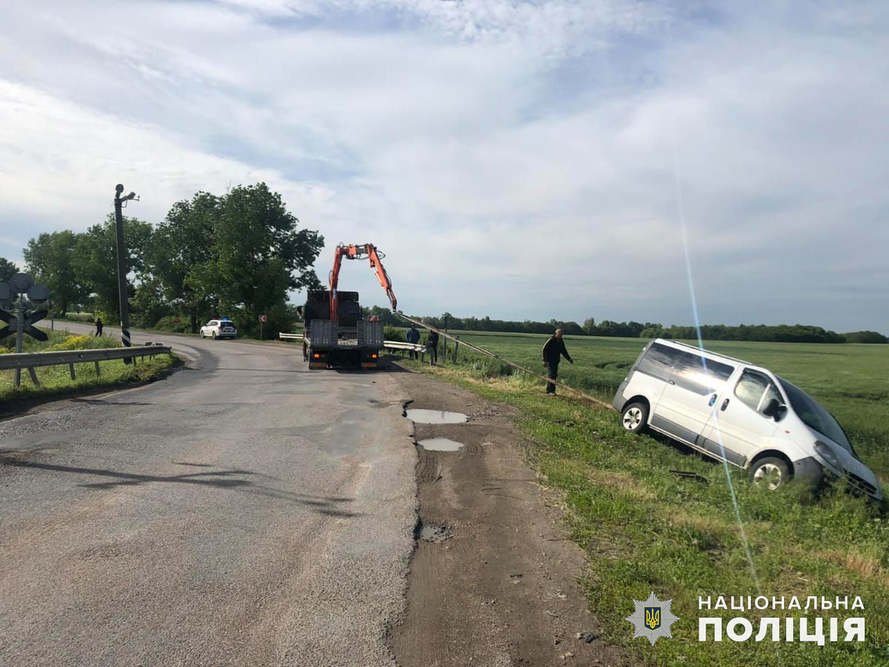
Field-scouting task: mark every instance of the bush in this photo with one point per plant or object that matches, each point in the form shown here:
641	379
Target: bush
82	317
83	343
393	333
174	324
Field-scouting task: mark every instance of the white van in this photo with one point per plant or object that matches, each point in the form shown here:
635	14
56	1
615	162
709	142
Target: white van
740	413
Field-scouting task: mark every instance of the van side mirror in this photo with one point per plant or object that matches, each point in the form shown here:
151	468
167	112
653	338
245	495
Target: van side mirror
775	409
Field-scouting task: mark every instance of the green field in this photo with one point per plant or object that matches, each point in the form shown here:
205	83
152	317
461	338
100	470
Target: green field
850	380
646	528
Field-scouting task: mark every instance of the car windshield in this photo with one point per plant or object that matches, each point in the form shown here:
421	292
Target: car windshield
814	416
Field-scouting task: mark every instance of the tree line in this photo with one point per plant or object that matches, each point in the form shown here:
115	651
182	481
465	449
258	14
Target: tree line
240	253
235	255
789	333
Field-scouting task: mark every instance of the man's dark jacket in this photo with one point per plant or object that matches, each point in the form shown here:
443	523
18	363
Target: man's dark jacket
553	348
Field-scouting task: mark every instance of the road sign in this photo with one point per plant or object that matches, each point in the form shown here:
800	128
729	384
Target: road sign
38	293
27	324
7	317
263	318
29	328
21	282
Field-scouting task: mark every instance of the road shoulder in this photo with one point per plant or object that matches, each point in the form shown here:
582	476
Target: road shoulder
494	580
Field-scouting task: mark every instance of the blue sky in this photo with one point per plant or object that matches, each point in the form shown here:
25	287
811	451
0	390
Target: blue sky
523	160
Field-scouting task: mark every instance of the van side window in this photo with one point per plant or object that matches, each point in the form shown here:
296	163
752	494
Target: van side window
698	373
691	374
755	390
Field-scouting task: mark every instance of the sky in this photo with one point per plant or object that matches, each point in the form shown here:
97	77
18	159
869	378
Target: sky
523	160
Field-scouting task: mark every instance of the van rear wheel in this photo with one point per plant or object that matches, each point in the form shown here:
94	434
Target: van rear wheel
634	417
770	472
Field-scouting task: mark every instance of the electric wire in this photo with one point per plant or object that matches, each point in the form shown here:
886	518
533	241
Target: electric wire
512	364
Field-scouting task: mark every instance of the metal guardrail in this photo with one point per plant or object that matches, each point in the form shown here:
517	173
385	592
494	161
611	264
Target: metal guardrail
388	344
398	345
34	359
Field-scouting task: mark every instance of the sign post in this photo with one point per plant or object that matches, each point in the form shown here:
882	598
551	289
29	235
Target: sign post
122	268
25	297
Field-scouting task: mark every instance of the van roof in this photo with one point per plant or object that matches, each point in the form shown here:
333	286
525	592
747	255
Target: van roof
696	350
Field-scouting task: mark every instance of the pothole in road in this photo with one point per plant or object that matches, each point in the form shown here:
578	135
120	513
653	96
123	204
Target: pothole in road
440	445
433	532
434	416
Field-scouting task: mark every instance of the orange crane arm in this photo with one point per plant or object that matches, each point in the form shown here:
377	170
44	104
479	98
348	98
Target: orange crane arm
382	276
357	251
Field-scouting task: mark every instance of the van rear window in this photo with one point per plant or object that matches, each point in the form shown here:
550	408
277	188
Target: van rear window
656	361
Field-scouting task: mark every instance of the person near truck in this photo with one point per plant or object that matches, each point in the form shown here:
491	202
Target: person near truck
432	346
413	337
553	350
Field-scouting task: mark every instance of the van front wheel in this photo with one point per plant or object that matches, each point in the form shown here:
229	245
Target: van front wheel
634	417
770	472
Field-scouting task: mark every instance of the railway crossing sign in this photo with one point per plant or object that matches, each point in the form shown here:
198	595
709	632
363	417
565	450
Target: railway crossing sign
28	321
28	298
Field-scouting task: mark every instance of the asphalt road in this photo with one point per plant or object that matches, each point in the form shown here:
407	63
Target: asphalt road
242	511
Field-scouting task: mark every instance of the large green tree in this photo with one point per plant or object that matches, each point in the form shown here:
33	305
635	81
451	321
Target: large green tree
7	269
182	255
95	259
50	259
261	253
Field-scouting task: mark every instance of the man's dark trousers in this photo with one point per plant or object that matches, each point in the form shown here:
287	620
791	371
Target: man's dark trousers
552	372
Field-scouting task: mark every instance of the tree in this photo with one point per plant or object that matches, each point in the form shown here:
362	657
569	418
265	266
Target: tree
50	258
182	255
7	269
260	253
95	261
865	337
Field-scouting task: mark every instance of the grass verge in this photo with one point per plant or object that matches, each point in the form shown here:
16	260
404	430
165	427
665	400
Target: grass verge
646	529
56	382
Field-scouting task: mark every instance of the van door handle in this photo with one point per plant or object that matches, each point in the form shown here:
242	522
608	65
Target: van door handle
724	405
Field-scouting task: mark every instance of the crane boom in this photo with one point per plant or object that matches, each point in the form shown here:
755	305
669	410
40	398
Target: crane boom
358	251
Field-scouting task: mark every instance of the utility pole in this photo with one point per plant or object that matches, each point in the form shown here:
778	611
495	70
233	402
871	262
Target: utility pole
122	268
19	335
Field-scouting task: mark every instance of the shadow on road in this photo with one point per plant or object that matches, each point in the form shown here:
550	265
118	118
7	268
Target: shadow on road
221	479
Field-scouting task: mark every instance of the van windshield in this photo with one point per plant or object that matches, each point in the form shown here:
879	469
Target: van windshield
814	416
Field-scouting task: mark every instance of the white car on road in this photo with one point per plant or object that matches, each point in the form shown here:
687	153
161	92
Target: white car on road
221	328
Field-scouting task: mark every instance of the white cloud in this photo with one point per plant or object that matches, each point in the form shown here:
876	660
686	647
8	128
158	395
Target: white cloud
512	158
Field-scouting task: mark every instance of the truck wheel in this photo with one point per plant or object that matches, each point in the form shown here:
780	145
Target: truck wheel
770	472
634	417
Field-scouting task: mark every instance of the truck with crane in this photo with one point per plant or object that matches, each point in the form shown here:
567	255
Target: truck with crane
336	332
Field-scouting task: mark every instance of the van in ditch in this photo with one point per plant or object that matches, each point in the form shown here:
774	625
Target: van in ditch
734	411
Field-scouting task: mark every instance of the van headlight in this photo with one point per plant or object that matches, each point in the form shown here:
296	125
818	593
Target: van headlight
825	452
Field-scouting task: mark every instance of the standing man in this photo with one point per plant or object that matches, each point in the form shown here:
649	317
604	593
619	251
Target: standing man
432	346
413	336
553	350
99	326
